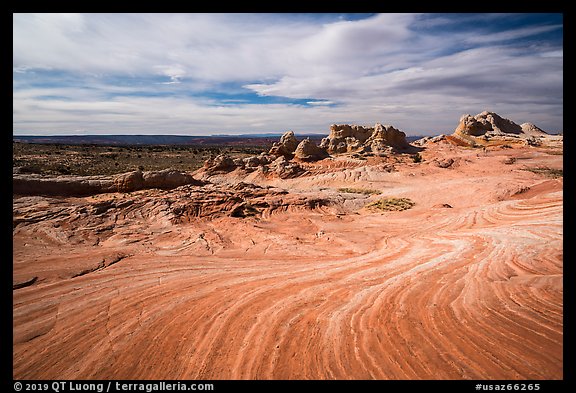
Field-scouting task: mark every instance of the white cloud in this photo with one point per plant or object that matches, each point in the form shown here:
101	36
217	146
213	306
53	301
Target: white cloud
320	103
512	34
378	69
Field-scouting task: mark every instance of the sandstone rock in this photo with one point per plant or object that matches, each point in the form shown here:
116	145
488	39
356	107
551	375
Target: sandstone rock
385	139
344	138
445	163
532	141
130	181
89	185
468	125
289	141
253	161
531	129
62	185
221	163
24	283
493	125
286	146
286	169
429	139
236	200
265	159
308	151
167	179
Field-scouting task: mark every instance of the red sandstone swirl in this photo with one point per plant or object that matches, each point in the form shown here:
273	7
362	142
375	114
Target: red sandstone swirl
474	293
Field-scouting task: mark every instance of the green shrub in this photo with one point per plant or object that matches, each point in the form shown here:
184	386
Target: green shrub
416	157
364	191
549	172
391	204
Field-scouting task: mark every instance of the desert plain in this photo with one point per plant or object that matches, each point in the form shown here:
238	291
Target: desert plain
290	269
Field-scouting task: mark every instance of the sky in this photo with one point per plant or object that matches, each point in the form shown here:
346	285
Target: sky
209	74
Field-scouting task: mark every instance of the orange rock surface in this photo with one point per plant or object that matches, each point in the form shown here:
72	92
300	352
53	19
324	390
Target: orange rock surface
303	284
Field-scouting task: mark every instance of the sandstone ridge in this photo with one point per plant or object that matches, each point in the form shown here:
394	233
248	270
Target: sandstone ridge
28	184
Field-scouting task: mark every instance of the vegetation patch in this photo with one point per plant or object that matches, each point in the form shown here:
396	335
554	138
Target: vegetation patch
365	191
555	152
84	160
549	172
391	204
416	157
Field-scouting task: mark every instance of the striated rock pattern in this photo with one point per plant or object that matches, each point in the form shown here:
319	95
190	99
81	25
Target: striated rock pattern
286	169
249	281
185	284
378	139
238	200
28	184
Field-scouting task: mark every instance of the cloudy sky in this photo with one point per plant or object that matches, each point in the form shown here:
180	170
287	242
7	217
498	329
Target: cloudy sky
204	74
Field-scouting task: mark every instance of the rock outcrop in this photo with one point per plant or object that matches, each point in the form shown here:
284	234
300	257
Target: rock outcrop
308	151
483	127
386	139
486	122
429	139
443	163
28	184
380	139
284	156
222	163
281	166
286	169
532	130
345	138
285	147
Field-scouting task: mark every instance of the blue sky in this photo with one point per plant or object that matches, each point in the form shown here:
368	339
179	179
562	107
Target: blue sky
204	74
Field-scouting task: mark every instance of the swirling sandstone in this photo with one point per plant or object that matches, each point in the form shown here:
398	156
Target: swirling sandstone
309	292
